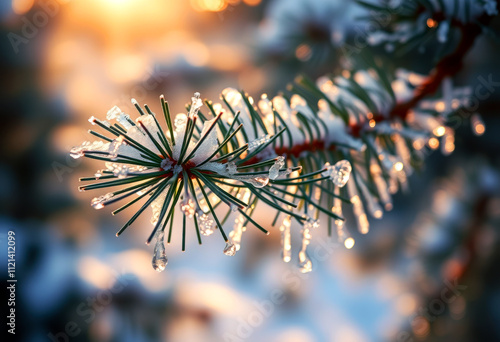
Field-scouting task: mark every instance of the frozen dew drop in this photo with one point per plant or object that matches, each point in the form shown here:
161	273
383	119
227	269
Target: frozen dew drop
196	104
230	249
258	182
187	207
98	174
159	255
340	173
274	171
98	202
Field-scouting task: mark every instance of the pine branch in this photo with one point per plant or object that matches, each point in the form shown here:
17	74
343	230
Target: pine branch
293	153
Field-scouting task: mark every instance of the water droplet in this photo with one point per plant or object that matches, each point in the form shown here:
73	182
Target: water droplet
159	255
230	249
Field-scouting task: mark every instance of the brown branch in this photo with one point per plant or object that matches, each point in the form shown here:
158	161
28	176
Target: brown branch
448	66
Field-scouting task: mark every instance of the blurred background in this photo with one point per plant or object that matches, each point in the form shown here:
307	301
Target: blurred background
425	272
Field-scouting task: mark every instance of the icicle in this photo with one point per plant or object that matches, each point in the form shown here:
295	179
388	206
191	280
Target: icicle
286	241
205	224
372	204
337	210
187	206
196	104
115	145
358	210
229	249
97	202
305	263
159	255
235	235
477	124
274	170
